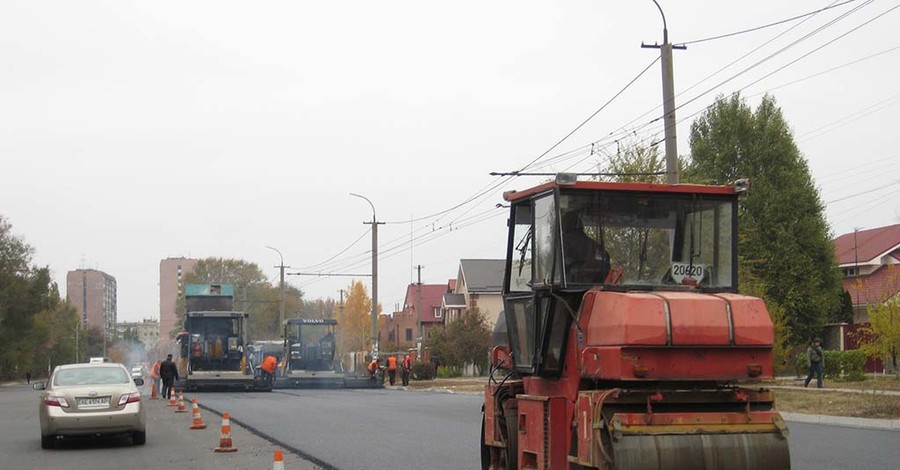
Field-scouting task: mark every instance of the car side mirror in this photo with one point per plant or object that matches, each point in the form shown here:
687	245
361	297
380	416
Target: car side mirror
139	381
38	386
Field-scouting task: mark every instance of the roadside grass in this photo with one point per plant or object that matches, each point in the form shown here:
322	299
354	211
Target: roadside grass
876	382
811	401
881	382
823	402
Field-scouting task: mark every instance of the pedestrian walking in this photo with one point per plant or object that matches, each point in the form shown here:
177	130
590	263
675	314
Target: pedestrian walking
405	369
392	368
168	372
815	358
28	377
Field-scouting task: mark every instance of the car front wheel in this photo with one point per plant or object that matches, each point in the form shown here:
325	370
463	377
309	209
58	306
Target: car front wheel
138	438
48	442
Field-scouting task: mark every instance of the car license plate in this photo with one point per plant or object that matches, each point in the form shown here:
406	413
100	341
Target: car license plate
98	401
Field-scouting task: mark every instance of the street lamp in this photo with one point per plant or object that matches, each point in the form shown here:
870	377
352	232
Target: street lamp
281	267
668	80
374	224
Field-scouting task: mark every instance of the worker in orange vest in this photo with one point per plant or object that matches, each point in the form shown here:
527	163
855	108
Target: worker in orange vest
154	375
392	368
405	368
373	369
268	366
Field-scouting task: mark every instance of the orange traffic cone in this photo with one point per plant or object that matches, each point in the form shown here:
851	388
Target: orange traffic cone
278	464
172	396
225	444
153	393
198	421
181	408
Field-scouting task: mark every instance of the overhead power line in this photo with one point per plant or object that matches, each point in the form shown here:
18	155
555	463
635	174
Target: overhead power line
491	187
769	25
862	193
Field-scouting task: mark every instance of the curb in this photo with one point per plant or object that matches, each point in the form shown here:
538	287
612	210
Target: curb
862	423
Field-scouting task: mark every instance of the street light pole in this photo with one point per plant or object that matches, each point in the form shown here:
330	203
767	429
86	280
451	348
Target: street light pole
668	79
374	224
281	267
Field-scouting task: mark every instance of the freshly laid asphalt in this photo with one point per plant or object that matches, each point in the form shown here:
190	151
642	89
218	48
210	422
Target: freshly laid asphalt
396	428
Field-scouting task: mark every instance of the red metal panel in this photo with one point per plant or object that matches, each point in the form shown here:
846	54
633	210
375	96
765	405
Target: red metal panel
491	435
543	432
696	363
697	319
531	432
752	324
584	412
613	186
618	318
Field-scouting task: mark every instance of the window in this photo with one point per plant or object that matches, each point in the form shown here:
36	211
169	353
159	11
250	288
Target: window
409	334
438	313
850	272
391	336
519	270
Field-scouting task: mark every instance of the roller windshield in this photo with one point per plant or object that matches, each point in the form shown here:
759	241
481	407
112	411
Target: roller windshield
647	240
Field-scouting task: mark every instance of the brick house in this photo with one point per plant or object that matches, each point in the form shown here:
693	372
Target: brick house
398	331
869	261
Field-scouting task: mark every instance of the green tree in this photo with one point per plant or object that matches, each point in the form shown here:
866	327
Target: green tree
845	312
33	318
462	342
783	236
635	162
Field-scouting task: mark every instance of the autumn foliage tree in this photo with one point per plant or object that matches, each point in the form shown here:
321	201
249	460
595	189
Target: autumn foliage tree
882	337
357	327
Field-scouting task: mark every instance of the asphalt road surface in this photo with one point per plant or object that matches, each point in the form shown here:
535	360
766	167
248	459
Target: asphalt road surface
170	444
392	428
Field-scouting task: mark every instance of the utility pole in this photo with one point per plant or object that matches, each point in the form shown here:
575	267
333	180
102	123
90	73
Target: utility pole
281	266
668	80
341	320
856	271
375	223
420	338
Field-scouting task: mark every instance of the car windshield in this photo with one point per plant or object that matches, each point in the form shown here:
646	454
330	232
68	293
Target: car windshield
90	376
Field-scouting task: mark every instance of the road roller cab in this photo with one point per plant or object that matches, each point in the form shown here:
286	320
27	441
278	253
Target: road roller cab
629	344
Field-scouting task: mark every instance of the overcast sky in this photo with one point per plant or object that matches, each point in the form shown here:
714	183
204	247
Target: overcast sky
135	131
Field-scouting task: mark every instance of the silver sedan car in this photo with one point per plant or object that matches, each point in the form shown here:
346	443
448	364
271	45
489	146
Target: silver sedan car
91	400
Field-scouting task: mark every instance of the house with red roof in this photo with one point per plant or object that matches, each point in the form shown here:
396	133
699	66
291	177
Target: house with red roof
868	260
398	331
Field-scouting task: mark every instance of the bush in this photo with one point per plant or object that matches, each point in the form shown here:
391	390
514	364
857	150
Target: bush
423	371
446	372
845	365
